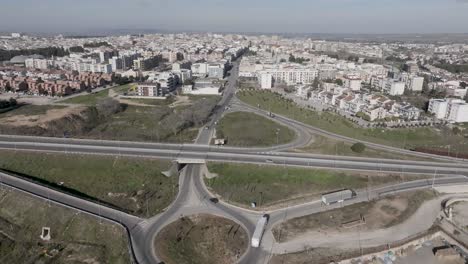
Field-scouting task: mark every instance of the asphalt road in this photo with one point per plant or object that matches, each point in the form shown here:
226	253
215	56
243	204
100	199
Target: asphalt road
280	158
193	196
291	122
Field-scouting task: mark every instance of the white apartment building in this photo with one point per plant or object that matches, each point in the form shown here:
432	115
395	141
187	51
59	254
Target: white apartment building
415	83
199	69
457	111
150	89
438	107
452	110
393	87
293	76
353	83
266	80
42	64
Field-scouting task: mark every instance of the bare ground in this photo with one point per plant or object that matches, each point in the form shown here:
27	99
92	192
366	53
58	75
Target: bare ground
201	239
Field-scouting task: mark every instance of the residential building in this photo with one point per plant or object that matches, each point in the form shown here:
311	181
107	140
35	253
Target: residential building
415	83
393	87
352	82
266	80
451	110
151	89
438	107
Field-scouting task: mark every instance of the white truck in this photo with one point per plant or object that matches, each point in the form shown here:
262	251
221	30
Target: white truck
259	230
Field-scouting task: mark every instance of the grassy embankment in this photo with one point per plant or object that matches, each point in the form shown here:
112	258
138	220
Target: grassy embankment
244	129
75	237
276	185
133	185
400	137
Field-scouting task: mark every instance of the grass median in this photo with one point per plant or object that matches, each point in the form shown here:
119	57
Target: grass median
269	186
244	129
134	185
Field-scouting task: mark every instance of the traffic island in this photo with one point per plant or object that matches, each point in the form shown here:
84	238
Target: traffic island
201	239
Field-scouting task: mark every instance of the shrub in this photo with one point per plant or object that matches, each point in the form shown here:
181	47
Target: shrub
358	147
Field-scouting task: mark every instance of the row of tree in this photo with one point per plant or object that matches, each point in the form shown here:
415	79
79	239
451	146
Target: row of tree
8	103
6	55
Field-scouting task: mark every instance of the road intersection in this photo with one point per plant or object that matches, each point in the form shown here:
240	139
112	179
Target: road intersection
194	197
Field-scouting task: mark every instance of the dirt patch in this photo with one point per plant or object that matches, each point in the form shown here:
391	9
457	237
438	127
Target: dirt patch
201	239
43	119
375	215
181	101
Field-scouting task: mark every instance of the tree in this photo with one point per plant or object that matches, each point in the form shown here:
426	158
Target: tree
358	147
316	83
463	85
292	58
339	82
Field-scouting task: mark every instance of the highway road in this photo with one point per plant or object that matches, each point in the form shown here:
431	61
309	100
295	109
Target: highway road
279	158
193	196
241	106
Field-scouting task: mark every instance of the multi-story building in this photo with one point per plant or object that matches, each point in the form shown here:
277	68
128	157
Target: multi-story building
292	76
438	107
151	89
452	110
352	82
393	87
415	83
457	111
266	80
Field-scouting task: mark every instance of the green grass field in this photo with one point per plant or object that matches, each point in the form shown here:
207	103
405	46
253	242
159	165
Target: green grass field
404	138
30	110
270	185
247	130
88	99
133	184
75	237
327	146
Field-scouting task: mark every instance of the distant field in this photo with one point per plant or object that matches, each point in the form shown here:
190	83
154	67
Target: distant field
277	185
201	239
135	185
244	129
75	237
30	110
174	120
404	138
88	99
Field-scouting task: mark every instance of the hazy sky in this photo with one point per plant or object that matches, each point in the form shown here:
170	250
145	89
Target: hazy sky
295	16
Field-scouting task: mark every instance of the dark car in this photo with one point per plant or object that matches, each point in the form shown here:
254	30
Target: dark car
214	200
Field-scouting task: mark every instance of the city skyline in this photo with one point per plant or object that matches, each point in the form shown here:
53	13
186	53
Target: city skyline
297	16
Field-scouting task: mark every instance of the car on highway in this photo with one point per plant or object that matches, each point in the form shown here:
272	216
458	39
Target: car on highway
214	200
269	161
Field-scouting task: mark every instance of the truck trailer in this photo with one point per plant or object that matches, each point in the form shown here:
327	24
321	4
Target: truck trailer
259	230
